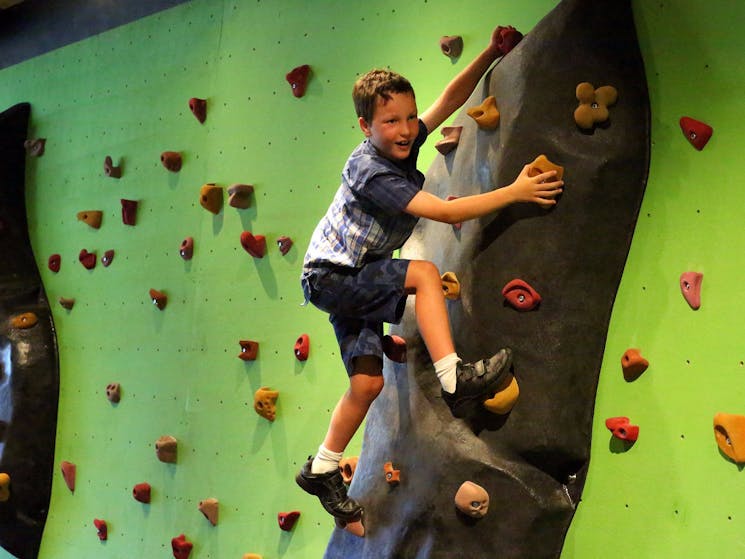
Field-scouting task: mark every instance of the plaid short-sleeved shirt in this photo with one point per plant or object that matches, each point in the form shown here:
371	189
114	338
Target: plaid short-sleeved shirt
366	220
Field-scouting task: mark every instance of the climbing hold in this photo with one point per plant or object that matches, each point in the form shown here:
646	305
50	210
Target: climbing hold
180	547
633	364
35	148
198	107
101	529
166	449
698	133
302	347
451	45
394	347
239	196
54	262
255	245
451	137
347	466
541	164
393	477
141	492
504	399
486	114
171	160
249	350
287	520
210	197
593	104
107	258
450	286
472	500
23	320
622	429
87	259
91	217
729	431
68	473
251	556
129	212
285	244
67	303
690	286
159	299
210	509
265	402
298	79
111	171
114	392
186	250
4	487
507	38
456	226
520	295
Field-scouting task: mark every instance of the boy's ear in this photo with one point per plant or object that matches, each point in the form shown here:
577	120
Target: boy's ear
364	126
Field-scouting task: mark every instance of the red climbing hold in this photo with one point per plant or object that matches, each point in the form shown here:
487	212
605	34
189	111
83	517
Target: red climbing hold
186	250
181	548
520	295
87	259
690	286
394	348
171	160
54	262
298	79
507	38
141	492
198	107
287	519
108	258
695	131
622	428
68	473
255	245
129	212
285	244
302	347
249	350
101	529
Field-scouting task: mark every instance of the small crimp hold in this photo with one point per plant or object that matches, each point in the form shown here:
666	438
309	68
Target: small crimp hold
393	477
249	350
622	429
593	104
54	262
68	474
24	320
186	250
210	509
690	287
298	79
285	244
198	107
210	197
129	212
107	258
520	295
91	217
239	196
67	303
171	160
450	286
486	114
287	520
451	137
35	148
633	364
158	298
115	172
451	45
696	132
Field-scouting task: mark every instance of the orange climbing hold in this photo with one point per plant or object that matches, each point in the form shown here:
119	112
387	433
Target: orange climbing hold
486	115
392	476
633	364
91	217
622	429
68	473
210	197
541	165
505	398
249	350
729	431
24	320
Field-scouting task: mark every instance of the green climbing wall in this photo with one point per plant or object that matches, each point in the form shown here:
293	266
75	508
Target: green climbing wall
125	93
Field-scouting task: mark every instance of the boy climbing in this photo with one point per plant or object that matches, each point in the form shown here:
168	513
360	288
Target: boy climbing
349	272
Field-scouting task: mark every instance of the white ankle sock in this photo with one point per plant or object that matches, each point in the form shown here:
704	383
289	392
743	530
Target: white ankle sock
445	369
325	461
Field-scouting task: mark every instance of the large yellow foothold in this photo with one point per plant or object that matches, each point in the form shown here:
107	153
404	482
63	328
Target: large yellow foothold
450	286
504	400
4	487
729	431
91	217
24	320
486	114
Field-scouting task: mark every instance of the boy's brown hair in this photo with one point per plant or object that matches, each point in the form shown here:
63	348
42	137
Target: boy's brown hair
374	84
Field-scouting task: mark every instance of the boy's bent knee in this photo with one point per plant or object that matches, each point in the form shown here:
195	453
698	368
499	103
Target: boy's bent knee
421	271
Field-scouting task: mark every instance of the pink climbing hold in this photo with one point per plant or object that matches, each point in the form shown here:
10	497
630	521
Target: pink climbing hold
696	132
520	295
690	286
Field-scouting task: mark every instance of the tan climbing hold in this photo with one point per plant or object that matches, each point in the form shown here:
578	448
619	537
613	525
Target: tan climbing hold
486	114
239	196
729	431
593	104
472	500
210	197
24	320
450	286
347	466
91	217
504	400
265	402
166	449
541	164
210	509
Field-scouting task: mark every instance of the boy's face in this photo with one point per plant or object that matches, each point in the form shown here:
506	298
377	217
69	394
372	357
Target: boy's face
394	125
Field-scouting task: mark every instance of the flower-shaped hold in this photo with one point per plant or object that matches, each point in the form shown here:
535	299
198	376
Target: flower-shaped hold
593	104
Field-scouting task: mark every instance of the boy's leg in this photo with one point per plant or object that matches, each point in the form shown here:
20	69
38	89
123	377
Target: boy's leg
465	387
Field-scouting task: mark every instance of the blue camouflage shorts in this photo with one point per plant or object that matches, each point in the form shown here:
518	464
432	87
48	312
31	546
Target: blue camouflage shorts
359	301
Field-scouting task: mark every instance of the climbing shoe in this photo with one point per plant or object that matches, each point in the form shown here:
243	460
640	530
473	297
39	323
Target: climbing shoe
477	382
330	489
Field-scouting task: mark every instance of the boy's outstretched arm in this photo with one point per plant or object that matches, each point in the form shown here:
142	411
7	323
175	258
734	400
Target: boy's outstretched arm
524	189
460	88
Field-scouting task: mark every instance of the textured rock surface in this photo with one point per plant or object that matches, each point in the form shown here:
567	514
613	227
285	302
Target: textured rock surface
532	462
29	369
